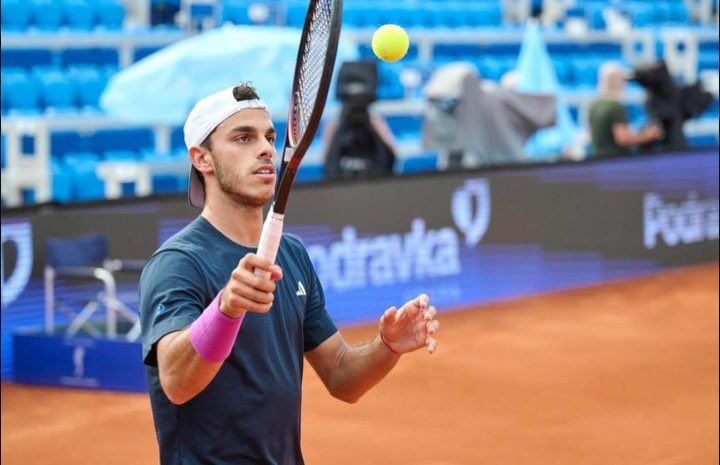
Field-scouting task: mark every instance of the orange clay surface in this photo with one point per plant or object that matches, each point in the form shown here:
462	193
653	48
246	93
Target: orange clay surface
625	373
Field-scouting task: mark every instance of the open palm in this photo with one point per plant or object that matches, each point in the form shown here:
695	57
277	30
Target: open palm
411	327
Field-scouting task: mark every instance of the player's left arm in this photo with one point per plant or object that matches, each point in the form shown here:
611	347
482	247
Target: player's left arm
348	372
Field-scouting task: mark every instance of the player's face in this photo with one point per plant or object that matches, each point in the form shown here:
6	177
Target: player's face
243	151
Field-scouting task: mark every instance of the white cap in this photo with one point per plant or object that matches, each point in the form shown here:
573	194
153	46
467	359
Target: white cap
205	116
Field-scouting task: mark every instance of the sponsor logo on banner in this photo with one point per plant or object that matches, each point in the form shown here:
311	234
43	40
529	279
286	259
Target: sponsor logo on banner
20	236
679	222
471	210
386	259
79	353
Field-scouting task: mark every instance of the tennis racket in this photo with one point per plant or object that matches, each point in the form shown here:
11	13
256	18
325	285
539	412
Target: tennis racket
311	83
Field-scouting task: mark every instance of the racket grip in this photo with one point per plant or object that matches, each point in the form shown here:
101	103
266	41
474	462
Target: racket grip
270	239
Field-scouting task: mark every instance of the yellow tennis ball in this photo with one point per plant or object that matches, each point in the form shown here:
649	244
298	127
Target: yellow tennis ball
390	42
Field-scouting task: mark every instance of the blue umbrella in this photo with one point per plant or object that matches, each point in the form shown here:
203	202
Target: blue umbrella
163	87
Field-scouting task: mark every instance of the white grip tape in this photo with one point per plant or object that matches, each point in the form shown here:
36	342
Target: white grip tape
270	239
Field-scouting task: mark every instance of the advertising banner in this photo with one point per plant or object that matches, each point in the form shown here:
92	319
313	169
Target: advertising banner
464	238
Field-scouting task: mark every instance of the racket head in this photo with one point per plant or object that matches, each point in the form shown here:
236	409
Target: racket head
311	85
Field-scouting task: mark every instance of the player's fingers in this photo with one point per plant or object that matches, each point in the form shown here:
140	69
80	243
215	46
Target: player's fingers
433	327
276	273
422	301
430	313
253	294
431	345
259	283
241	303
251	262
389	316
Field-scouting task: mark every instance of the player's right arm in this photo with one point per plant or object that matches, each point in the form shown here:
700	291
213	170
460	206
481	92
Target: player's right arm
183	370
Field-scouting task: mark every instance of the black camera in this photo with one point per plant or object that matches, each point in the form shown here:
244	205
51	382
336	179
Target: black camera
668	103
357	83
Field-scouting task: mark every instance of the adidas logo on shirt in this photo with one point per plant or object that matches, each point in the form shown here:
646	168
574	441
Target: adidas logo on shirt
301	289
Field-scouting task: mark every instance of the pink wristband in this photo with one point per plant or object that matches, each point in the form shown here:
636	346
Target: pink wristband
213	334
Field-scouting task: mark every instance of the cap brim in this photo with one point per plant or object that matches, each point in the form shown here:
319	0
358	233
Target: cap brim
196	191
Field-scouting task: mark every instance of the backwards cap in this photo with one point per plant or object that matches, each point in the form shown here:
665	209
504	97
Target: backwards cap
205	116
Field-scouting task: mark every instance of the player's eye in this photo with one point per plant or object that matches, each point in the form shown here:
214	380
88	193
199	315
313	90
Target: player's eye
271	139
242	138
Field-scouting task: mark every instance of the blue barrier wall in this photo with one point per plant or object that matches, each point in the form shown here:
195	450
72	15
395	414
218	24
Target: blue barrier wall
465	238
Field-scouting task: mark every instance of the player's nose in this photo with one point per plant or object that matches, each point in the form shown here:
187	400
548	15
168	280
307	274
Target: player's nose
267	150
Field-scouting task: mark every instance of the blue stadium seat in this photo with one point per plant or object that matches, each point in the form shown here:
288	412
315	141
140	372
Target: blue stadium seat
81	167
23	93
62	185
58	92
6	77
110	14
707	60
26	58
389	87
80	14
585	72
48	14
563	69
429	17
16	15
642	15
594	16
489	15
89	82
89	56
417	164
236	11
106	140
165	183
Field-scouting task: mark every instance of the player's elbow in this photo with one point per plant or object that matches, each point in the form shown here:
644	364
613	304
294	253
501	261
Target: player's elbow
175	392
348	397
178	396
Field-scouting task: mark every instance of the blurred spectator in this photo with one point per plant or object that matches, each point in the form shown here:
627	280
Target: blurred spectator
609	127
359	144
475	123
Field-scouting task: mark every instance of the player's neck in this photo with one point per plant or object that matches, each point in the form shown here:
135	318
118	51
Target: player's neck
240	223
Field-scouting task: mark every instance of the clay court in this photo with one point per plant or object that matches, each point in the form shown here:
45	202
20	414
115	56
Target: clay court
625	373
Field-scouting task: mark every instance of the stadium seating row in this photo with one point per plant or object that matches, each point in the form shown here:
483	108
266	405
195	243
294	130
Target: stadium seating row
53	89
74	176
641	13
48	88
53	15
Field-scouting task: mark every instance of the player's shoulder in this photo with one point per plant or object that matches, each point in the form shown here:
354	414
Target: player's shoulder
181	248
294	246
293	241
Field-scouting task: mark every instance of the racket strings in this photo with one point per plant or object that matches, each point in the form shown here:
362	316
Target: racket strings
313	64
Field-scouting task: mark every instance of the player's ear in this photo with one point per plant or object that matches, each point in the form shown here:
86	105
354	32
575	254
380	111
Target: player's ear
200	158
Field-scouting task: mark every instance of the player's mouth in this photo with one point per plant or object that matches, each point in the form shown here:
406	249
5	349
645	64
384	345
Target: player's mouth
265	172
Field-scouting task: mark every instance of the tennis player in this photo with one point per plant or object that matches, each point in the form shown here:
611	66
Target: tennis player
224	348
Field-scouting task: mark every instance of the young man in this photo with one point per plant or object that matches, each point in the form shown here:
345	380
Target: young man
224	348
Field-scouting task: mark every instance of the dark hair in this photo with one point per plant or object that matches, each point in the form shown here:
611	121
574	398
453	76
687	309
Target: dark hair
241	92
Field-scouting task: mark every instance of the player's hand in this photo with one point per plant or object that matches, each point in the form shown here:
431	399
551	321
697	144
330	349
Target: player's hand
411	327
246	292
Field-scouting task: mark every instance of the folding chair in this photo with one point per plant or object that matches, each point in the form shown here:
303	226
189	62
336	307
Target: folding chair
86	258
